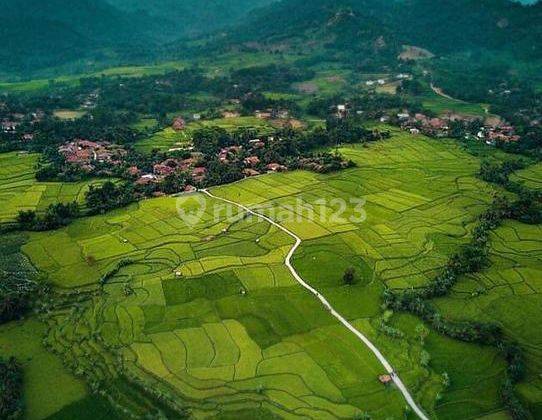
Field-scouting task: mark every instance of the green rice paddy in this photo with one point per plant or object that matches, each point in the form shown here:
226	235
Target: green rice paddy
208	314
531	177
509	294
19	189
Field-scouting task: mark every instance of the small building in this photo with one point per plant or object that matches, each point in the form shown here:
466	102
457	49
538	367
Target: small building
164	170
190	189
9	126
179	124
198	174
147	179
133	171
230	114
263	115
252	161
385	379
276	167
250	172
342	111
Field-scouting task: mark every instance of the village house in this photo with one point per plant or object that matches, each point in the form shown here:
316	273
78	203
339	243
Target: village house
257	143
133	171
178	124
248	172
9	127
228	152
163	170
147	179
198	174
342	111
281	114
84	152
252	161
230	114
276	167
28	137
263	115
385	379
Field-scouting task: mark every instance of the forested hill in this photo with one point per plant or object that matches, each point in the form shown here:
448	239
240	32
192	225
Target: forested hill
37	34
193	17
443	26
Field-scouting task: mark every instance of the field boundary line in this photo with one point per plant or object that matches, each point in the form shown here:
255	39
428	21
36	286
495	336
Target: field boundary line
298	241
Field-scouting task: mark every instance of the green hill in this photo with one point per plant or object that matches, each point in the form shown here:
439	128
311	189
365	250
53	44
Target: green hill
447	26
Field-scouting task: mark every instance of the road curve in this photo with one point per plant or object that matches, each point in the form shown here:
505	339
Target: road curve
400	385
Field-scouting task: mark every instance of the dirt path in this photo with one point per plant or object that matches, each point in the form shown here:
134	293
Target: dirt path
440	92
400	385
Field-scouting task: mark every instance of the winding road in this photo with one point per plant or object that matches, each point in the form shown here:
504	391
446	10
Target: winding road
400	385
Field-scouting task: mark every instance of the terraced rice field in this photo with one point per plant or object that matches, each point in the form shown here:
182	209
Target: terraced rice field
209	313
19	189
194	333
509	294
531	177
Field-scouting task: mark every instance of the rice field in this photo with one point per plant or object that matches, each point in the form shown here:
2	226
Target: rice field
164	140
68	114
19	189
509	294
168	138
207	312
531	177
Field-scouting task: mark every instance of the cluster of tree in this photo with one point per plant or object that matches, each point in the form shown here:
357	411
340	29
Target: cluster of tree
11	389
56	215
18	286
16	291
499	173
269	77
100	199
254	101
324	162
115	270
372	105
527	207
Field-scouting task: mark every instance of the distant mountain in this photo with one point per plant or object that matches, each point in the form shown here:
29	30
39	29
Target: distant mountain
443	26
193	17
37	34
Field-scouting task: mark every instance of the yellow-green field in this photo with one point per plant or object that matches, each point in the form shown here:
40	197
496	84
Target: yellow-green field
208	313
20	191
531	177
509	293
68	114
